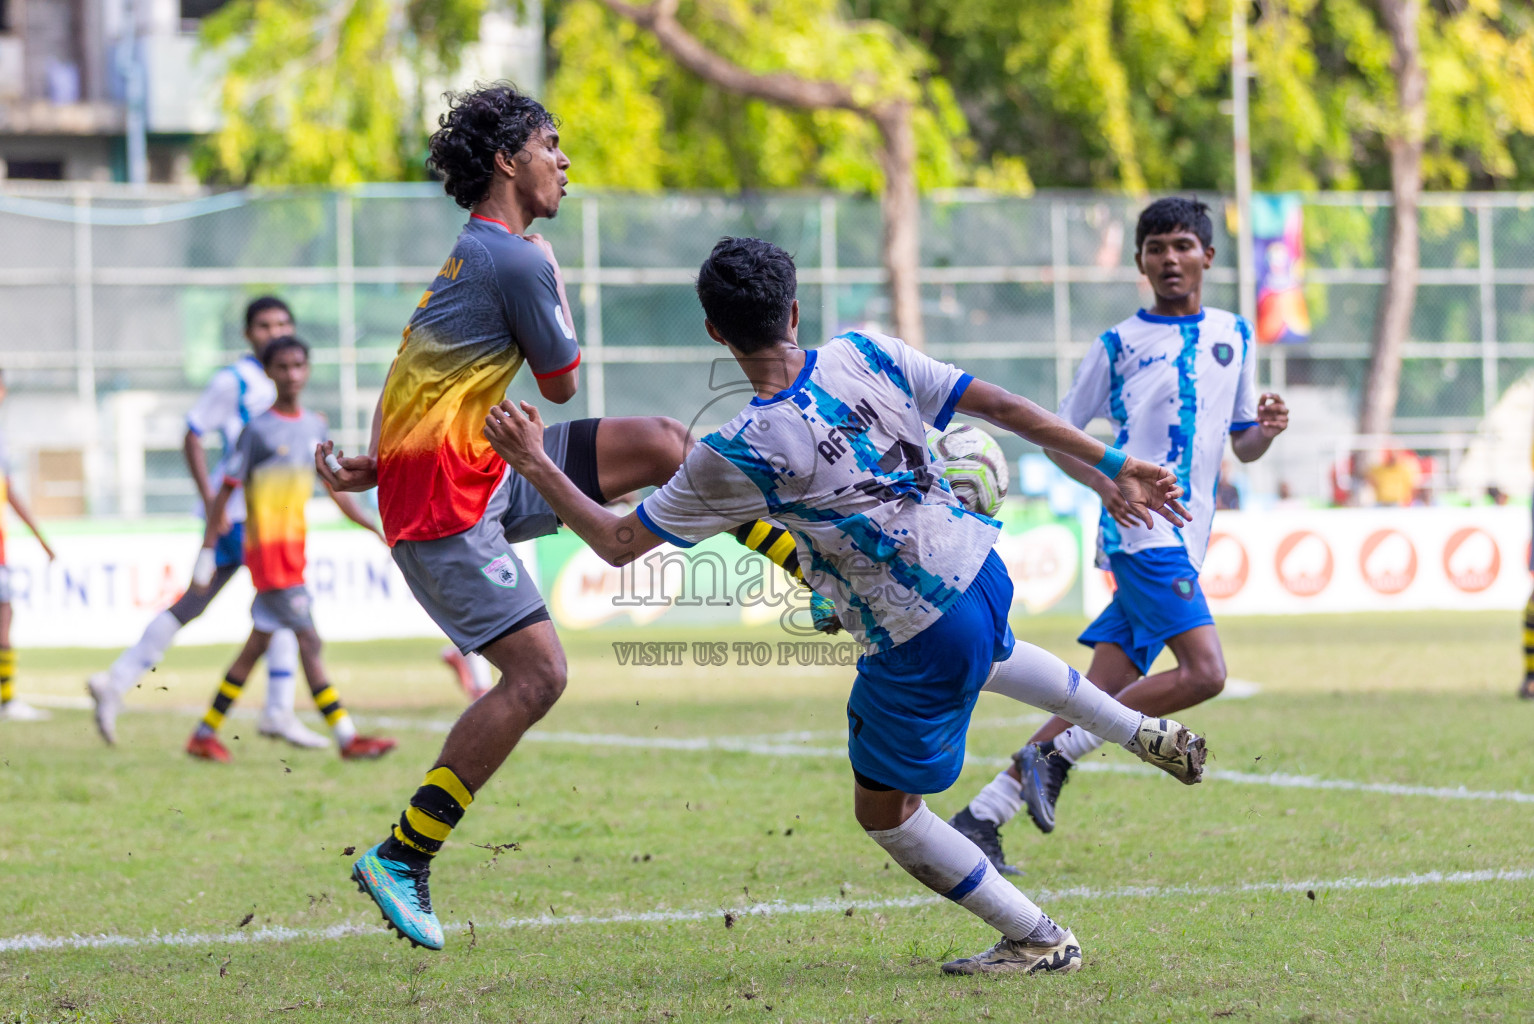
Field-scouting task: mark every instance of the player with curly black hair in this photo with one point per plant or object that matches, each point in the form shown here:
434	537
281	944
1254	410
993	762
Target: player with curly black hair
451	508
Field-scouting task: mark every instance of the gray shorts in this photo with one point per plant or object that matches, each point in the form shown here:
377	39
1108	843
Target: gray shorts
472	584
281	609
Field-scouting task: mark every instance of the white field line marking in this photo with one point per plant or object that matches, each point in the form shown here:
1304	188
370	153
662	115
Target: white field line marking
769	746
42	943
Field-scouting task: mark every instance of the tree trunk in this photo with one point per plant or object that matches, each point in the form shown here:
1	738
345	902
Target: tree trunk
1399	296
897	143
902	220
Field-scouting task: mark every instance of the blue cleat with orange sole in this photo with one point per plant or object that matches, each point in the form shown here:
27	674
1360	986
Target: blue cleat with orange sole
402	895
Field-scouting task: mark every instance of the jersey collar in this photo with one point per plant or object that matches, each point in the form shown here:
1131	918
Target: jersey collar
491	220
1154	318
804	375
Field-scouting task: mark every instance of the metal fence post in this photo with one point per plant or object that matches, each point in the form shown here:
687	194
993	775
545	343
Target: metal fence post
85	346
1490	388
1060	259
346	326
828	315
591	304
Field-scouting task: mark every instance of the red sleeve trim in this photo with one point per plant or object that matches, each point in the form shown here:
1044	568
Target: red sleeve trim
232	482
562	370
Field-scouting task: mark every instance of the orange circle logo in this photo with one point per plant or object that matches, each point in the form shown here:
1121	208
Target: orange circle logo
1304	563
1225	566
1471	559
1388	561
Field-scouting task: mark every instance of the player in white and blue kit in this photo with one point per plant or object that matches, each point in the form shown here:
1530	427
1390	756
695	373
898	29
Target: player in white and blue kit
235	395
833	447
1174	381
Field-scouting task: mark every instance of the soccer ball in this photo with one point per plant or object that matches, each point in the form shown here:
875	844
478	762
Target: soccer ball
973	464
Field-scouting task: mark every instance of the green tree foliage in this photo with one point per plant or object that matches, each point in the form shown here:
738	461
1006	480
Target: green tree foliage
1131	93
644	123
329	91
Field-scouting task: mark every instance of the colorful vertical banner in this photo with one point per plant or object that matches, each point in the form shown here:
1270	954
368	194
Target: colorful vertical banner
1278	223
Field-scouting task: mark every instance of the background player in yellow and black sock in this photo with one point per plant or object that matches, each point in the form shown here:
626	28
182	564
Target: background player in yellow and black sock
271	461
12	708
1526	691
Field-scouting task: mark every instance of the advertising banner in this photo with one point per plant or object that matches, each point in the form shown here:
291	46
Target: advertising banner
1289	562
111	578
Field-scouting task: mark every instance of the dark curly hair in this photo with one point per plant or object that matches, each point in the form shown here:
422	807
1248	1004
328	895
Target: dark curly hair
747	288
478	124
1175	213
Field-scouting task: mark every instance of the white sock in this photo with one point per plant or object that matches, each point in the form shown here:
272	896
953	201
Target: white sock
1034	676
1001	798
479	667
281	673
144	655
1075	743
344	730
938	856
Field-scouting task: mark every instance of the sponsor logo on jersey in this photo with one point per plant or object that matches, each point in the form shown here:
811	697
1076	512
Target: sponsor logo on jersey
559	318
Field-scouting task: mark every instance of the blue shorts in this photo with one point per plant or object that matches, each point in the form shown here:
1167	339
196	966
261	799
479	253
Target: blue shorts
910	707
230	549
1158	597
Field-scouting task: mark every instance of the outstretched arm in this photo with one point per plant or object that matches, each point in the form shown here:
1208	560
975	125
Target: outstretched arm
1144	486
517	436
24	513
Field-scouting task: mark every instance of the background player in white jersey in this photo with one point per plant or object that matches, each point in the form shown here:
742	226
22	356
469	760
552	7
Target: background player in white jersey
833	446
12	707
1174	381
237	394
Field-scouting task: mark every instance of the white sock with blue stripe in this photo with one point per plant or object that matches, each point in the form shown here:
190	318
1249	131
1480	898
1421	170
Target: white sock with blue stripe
1034	676
938	856
281	672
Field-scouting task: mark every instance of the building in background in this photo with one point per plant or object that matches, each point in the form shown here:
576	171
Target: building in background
66	67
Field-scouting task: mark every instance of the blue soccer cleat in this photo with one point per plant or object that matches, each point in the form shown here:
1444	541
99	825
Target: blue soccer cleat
401	893
823	614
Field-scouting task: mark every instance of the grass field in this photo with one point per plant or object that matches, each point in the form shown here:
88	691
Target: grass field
685	851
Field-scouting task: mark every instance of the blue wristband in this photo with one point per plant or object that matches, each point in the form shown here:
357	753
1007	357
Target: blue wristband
1112	461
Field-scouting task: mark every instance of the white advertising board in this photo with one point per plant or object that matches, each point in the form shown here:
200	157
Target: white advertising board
104	588
1289	562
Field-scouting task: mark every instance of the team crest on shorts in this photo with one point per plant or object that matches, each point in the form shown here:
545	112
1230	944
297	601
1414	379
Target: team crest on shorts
1184	589
502	571
1223	353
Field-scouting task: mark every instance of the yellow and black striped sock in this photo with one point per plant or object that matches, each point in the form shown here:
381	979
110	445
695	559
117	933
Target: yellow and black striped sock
228	692
434	812
329	703
1528	640
776	543
7	674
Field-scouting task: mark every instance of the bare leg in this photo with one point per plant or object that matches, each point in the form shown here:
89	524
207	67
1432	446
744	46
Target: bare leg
638	451
532	666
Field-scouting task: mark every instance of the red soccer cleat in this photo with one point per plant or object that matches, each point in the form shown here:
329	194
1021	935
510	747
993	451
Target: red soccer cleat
362	747
208	748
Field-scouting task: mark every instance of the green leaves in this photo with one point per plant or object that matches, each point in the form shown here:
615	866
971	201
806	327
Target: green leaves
329	93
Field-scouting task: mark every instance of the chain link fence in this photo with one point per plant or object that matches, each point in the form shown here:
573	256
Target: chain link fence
120	306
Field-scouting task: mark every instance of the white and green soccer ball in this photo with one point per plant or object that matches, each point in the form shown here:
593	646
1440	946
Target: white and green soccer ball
973	464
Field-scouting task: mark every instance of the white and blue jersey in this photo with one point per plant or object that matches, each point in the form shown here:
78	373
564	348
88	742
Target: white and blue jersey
237	394
840	459
1173	388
